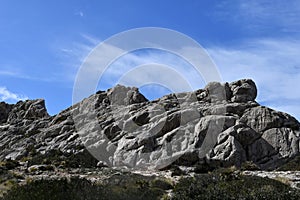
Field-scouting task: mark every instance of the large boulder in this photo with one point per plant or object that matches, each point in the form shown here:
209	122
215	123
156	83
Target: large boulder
261	118
284	140
217	92
232	145
121	95
243	90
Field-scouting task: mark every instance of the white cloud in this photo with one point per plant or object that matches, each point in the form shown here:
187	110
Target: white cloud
72	55
124	64
10	97
16	72
79	13
273	64
281	12
91	39
7	73
133	61
262	14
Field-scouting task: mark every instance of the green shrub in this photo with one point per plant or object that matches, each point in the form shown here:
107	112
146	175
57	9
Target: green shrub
232	186
161	183
125	187
249	165
9	164
51	189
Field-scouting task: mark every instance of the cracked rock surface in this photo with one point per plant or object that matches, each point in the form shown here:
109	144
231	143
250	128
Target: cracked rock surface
220	125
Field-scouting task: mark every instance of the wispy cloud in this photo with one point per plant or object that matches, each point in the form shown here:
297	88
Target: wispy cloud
131	69
7	73
154	66
80	13
72	55
8	96
91	39
262	14
273	64
135	68
17	73
14	72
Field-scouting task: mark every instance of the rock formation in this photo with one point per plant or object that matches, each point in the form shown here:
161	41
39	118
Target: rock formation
220	125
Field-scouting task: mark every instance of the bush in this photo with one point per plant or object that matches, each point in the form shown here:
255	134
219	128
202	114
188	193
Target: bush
232	186
9	164
125	187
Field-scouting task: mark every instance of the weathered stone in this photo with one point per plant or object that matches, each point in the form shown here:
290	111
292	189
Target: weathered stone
236	109
262	153
217	92
141	118
121	95
120	127
232	144
208	129
243	90
261	118
29	109
284	140
228	151
244	134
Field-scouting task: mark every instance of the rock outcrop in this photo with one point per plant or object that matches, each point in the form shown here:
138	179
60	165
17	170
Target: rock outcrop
220	125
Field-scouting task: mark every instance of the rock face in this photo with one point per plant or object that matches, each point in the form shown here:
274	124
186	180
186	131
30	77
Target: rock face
243	90
219	125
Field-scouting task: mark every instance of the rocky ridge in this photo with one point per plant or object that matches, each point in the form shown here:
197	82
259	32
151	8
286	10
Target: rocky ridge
218	126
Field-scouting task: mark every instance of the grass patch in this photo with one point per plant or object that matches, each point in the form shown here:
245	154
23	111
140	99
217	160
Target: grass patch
123	186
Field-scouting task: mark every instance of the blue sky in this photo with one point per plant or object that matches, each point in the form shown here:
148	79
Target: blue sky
43	43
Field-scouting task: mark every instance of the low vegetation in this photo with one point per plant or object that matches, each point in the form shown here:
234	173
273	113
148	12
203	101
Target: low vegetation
229	184
224	183
119	186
